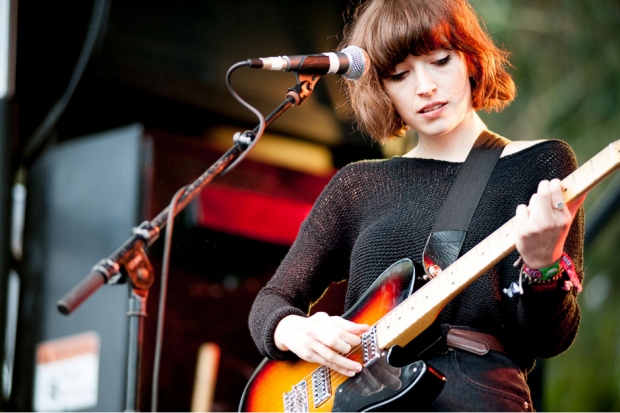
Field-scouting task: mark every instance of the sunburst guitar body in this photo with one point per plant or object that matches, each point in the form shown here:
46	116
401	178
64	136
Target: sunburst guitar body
300	386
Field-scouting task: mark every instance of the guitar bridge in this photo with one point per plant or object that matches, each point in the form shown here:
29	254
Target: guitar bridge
370	348
321	386
296	400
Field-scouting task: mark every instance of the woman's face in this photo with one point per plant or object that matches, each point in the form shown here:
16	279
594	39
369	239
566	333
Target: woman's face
431	92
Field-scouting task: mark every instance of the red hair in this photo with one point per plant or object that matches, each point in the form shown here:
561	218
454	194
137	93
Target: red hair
390	30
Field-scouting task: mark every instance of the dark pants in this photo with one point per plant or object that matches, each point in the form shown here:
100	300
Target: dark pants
492	382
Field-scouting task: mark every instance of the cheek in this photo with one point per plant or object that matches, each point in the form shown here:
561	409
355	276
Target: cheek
390	90
396	95
461	87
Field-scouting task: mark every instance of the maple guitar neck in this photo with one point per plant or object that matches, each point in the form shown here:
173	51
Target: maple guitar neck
416	313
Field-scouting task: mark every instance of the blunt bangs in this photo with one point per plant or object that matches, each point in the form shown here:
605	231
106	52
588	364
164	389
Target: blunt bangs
399	29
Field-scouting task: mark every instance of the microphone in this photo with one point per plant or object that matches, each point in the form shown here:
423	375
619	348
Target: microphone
351	63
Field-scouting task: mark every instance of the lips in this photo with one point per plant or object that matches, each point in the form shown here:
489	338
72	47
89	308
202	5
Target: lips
432	106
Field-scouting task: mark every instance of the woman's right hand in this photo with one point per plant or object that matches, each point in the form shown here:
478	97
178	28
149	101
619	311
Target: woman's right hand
321	339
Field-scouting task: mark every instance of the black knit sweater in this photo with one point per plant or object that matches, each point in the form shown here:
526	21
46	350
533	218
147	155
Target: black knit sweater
374	213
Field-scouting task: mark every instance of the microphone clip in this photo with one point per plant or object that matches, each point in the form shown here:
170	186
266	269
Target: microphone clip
303	88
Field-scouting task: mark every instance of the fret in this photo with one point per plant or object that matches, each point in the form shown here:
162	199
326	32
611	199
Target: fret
453	270
592	172
466	267
382	333
592	168
582	176
394	320
484	247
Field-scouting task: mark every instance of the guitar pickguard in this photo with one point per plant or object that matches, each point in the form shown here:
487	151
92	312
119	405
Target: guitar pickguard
381	385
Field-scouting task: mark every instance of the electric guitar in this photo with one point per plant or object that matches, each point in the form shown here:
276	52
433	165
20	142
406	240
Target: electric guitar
398	312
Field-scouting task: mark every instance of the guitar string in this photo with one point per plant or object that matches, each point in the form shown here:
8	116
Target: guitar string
335	376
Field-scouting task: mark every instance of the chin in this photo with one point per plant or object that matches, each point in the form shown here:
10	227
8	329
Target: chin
436	131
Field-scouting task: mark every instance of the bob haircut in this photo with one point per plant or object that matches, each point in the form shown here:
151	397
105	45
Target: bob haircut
390	30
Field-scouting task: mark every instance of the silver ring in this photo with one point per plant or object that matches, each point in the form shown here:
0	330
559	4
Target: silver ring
559	205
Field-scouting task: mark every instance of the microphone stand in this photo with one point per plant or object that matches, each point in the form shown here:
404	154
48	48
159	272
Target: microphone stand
130	263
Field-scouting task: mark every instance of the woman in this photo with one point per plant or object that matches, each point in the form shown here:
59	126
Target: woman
432	66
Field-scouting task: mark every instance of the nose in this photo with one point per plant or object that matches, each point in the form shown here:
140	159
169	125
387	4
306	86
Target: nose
426	85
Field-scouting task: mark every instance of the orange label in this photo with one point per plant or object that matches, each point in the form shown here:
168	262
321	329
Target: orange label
64	348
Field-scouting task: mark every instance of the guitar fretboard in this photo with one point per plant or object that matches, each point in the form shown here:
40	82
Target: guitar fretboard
416	313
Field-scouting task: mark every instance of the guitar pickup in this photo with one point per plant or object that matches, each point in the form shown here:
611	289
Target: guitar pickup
296	400
321	385
370	348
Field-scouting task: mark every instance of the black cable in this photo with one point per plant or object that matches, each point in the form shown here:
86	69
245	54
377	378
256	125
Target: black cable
261	118
162	298
101	9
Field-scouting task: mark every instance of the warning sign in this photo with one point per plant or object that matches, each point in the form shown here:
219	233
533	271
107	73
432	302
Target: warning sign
67	373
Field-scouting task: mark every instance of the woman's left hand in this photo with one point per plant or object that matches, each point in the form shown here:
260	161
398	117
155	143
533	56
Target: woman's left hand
543	225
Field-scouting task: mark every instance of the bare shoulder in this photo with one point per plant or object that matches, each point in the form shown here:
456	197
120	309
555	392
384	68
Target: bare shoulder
516	146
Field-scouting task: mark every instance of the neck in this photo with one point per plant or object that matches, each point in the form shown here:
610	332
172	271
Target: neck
452	146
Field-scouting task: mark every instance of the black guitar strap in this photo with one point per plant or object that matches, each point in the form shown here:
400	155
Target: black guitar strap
446	239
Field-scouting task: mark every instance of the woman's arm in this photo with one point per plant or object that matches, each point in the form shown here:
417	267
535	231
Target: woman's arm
550	318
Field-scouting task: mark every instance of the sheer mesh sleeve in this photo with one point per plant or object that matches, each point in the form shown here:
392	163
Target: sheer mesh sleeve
317	258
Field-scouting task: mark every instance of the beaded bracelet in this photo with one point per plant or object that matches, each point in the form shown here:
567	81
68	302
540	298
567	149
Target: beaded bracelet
547	285
538	281
567	276
546	274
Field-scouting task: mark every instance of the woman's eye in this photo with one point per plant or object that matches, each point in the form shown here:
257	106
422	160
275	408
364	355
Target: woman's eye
397	76
444	61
